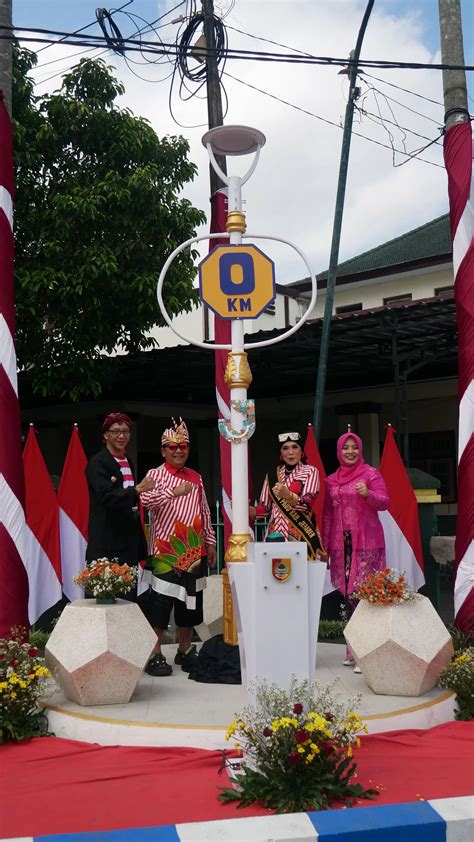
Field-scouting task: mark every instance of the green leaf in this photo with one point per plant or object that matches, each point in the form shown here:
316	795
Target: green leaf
178	546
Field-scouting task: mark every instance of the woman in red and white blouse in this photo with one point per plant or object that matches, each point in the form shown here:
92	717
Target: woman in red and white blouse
293	481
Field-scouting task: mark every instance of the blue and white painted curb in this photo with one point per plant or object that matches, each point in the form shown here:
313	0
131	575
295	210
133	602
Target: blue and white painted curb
440	820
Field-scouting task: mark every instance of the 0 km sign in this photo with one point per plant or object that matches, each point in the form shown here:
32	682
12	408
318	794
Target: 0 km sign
237	282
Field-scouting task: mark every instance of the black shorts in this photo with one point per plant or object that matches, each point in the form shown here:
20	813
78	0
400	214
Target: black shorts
160	611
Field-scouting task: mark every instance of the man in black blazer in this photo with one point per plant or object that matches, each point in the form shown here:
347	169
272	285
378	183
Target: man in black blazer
115	530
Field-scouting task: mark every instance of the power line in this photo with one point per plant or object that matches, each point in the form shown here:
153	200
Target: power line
405	90
323	119
240	54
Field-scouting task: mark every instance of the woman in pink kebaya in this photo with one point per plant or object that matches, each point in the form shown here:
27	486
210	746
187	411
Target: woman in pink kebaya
352	532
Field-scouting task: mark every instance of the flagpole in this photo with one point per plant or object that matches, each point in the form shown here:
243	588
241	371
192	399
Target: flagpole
458	156
337	227
6	53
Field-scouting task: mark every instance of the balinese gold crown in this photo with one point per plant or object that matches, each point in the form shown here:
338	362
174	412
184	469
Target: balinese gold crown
177	434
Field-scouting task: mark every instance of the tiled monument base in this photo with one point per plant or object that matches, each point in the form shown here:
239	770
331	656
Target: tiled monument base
176	711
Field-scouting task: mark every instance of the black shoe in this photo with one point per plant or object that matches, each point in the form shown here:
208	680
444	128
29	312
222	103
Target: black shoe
189	662
180	656
158	666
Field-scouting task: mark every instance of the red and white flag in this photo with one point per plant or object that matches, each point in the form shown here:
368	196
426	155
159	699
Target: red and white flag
222	336
73	499
313	456
400	521
458	158
43	560
13	577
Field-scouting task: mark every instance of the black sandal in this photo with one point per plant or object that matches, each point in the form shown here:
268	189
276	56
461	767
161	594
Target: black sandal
158	666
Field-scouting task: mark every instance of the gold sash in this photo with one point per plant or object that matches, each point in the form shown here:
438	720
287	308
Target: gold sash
307	528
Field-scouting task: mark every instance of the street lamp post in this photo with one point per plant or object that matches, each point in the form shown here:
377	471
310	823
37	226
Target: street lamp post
231	277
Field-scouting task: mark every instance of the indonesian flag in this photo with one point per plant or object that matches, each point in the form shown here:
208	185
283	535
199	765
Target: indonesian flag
400	521
73	498
14	587
222	336
458	154
43	560
313	456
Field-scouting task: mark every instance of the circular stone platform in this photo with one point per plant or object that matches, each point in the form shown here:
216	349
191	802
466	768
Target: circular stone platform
175	711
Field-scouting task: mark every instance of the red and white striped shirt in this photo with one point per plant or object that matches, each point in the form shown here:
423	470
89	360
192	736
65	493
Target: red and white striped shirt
166	509
303	480
126	470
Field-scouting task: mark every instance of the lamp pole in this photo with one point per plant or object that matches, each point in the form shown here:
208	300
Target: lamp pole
337	226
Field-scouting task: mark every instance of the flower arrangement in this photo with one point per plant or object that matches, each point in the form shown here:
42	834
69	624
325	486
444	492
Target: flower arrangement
22	682
385	587
297	750
459	676
105	579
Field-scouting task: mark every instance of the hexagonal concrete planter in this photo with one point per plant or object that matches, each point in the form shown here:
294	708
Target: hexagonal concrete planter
98	652
401	649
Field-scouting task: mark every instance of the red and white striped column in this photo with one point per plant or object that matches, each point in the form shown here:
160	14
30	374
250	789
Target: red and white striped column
458	156
13	577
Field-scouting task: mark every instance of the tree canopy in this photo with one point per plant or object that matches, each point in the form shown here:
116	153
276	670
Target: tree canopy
97	212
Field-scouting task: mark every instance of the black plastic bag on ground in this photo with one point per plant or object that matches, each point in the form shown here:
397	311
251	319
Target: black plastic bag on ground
217	663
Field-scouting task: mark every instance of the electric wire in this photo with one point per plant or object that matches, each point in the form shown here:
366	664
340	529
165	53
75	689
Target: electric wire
254	55
324	119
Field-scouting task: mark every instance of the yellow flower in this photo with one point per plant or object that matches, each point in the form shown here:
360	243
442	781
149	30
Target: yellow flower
309	758
349	751
13	695
13	678
39	671
3	685
300	750
314	748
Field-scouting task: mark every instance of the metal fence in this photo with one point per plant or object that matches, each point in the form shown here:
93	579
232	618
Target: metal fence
218	524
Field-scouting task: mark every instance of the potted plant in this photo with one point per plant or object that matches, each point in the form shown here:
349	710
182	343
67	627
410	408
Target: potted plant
22	682
397	638
459	676
105	579
297	749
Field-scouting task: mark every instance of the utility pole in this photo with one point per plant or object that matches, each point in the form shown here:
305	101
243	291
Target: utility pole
337	226
452	52
214	101
6	52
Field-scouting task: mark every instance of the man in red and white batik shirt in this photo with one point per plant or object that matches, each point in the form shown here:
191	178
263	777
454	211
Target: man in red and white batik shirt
181	541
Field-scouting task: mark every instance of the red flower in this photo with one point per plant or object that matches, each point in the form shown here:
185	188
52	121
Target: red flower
301	736
327	747
13	662
298	708
294	758
267	732
33	652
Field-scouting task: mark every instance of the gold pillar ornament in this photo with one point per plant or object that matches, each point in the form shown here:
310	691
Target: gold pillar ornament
237	373
236	551
235	222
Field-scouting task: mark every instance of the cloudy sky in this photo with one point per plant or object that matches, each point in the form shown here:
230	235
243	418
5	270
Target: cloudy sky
292	192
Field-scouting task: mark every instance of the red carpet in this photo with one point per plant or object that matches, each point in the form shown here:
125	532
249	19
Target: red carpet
51	785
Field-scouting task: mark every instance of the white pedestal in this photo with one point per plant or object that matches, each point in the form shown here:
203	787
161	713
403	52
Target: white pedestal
277	619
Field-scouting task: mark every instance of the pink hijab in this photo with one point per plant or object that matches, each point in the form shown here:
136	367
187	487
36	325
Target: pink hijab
346	474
